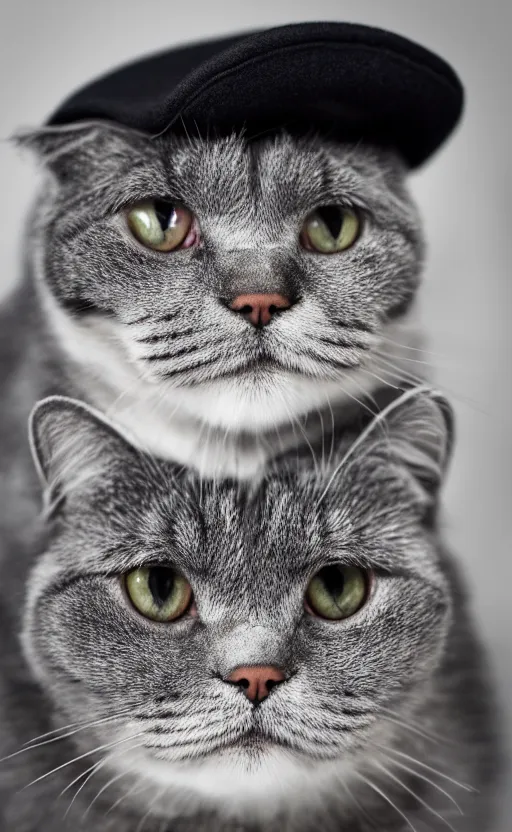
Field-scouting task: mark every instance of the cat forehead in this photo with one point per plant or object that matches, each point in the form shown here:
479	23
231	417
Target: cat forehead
200	169
285	506
274	169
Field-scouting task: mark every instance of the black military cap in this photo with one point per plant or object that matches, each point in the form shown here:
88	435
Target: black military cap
348	82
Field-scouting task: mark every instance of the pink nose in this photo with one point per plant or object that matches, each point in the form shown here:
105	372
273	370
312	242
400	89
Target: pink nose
259	309
256	681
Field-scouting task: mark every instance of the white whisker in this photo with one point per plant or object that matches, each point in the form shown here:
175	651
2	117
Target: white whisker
388	800
104	789
427	780
32	744
90	772
416	797
441	774
390	716
67	727
104	747
143	820
118	802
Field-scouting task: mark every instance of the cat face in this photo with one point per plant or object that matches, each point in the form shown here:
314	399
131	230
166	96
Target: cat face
151	253
238	647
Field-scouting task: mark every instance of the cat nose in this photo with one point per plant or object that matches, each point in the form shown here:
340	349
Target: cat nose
256	681
259	309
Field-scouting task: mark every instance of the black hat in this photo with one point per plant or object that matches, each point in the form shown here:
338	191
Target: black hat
342	80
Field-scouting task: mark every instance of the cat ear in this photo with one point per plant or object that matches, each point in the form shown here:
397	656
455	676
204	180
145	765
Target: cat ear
418	433
72	444
70	149
411	439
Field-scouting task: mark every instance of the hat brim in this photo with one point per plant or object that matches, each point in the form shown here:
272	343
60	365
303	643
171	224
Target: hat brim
347	82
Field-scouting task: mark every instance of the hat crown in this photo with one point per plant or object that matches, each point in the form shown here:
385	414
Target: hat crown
350	82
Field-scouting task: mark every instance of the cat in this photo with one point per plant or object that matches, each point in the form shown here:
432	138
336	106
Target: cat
162	339
292	654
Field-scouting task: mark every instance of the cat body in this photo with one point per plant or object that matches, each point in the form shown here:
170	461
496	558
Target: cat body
382	719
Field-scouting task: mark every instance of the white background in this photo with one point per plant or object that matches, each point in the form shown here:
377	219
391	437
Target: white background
49	47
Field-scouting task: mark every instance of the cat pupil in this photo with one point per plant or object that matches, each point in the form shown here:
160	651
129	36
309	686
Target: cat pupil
164	212
332	215
333	580
160	582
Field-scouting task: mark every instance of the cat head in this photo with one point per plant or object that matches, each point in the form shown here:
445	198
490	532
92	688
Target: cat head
239	648
245	281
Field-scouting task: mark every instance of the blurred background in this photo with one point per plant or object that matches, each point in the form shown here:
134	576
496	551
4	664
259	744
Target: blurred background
50	47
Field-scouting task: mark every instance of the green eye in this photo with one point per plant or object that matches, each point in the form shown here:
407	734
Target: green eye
161	225
337	592
330	229
158	592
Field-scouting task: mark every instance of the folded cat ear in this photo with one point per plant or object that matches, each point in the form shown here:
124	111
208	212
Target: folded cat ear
417	432
411	440
68	150
72	444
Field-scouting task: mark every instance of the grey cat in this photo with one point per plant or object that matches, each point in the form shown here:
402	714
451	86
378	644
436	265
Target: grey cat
144	255
292	655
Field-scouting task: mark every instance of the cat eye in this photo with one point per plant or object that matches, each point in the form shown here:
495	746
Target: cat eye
158	592
330	229
162	226
337	592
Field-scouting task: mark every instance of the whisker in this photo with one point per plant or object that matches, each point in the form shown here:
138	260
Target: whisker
105	787
390	716
66	728
399	371
379	378
104	747
143	820
358	804
125	795
405	358
405	375
79	777
427	780
416	797
388	800
408	347
31	744
90	772
441	774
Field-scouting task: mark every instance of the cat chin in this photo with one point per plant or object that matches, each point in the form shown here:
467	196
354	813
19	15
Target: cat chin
247	405
239	782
